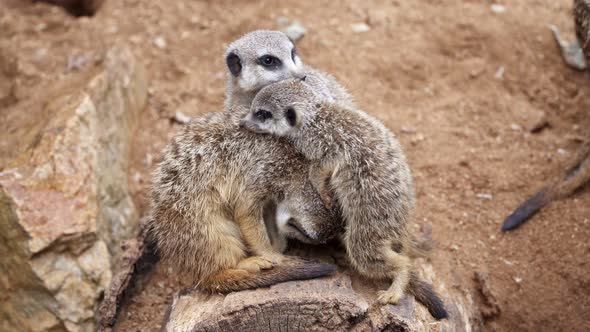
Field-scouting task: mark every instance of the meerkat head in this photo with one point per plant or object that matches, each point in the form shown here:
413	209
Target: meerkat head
260	58
282	108
306	219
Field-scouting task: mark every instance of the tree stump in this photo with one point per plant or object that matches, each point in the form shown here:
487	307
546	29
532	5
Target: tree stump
343	302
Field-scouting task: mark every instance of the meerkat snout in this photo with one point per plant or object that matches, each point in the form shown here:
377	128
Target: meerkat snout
274	112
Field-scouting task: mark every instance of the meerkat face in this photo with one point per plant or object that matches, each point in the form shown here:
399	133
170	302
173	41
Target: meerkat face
281	108
305	221
260	58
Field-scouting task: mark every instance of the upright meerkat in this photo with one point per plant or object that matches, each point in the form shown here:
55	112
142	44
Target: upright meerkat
578	172
207	201
358	160
262	57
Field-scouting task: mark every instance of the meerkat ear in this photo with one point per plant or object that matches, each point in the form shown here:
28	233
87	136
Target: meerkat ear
291	116
234	64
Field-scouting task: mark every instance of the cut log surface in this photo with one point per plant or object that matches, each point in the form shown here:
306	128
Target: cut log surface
327	304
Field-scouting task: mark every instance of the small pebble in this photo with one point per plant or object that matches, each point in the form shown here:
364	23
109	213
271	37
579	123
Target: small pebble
41	27
498	8
484	196
75	62
499	73
417	139
562	152
515	127
408	130
518	280
360	27
293	29
181	118
148	160
137	177
160	42
136	39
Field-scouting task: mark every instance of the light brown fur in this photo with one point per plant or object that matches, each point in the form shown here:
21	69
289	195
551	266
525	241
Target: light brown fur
208	196
357	159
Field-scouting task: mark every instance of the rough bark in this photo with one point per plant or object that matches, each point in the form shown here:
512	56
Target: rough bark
328	304
137	259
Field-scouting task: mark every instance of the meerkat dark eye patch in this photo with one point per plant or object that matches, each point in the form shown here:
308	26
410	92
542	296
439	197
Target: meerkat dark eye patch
234	64
269	61
262	115
291	116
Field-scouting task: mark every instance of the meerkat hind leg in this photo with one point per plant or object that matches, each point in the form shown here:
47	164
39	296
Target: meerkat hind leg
257	240
256	263
399	266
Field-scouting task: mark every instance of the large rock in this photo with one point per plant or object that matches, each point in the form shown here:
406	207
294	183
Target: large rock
64	202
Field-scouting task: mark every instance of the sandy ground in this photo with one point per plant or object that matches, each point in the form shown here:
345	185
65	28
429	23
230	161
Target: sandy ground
459	84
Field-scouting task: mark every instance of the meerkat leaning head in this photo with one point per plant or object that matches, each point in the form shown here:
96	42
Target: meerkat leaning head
282	108
257	59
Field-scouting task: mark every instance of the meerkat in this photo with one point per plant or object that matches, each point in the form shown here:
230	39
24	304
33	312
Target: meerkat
262	57
358	160
207	203
578	172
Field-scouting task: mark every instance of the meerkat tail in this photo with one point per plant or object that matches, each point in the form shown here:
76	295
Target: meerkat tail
425	294
574	178
577	175
233	280
527	209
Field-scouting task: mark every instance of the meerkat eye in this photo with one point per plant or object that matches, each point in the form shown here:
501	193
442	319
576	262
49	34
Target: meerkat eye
291	116
294	224
262	115
269	61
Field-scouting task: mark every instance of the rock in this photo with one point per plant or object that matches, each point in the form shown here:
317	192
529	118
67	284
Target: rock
499	74
181	118
293	30
484	195
408	130
160	42
536	121
360	27
498	8
76	62
571	52
64	202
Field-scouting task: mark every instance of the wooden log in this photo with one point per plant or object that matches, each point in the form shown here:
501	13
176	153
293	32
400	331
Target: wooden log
338	303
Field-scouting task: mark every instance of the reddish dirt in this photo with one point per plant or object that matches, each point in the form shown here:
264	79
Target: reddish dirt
427	66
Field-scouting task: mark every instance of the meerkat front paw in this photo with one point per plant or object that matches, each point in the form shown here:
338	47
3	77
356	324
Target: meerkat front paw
388	297
256	263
